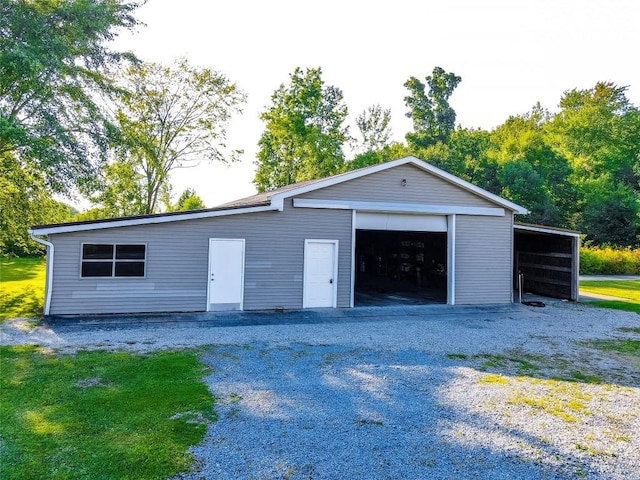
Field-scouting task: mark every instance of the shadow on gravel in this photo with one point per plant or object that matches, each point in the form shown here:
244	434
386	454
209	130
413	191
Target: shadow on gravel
328	412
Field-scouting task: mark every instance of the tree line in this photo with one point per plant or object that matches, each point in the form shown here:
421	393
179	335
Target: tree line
576	168
79	118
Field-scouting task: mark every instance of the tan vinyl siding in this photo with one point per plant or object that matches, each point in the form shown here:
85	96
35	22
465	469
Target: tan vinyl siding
177	262
484	259
384	186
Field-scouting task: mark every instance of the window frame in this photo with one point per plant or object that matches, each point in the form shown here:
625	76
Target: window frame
113	260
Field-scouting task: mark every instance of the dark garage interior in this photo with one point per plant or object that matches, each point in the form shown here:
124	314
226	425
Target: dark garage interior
548	262
397	267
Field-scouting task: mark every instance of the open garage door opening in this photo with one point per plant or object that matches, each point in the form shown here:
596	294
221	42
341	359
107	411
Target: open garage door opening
400	267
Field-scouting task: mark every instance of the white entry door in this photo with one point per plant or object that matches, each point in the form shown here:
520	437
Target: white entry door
320	273
226	274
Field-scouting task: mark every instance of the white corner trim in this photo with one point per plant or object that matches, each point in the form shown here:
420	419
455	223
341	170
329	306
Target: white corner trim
80	227
352	299
397	207
49	278
451	259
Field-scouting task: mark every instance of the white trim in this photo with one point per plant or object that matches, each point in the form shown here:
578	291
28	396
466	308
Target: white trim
451	260
242	272
397	207
400	222
352	299
403	161
551	231
335	243
49	277
144	221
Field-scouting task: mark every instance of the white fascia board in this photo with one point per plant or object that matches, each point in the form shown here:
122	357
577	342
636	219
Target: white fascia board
403	161
551	231
397	207
151	220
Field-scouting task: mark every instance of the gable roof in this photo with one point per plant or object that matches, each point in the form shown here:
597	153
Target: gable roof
274	200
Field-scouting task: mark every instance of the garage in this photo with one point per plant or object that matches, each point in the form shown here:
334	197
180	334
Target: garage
400	259
402	232
546	260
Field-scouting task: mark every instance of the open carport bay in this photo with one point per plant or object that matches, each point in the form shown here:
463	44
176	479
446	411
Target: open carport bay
547	259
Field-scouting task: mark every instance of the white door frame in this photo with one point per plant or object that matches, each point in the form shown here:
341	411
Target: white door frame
334	302
451	254
211	242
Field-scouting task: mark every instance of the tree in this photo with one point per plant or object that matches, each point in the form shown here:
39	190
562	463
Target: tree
373	157
373	124
522	184
523	140
598	130
24	201
53	58
122	193
611	215
188	200
173	117
433	118
304	132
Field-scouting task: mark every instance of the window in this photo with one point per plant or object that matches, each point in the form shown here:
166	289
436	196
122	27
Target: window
113	260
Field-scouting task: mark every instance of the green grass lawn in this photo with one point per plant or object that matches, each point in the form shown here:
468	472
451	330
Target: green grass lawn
99	415
21	287
627	290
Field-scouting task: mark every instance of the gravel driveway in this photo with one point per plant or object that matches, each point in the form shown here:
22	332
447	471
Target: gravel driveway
461	394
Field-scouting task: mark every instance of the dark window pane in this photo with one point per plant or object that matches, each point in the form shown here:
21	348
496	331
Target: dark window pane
91	251
129	269
135	252
96	269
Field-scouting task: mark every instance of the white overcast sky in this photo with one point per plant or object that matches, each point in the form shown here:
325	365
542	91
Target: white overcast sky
509	53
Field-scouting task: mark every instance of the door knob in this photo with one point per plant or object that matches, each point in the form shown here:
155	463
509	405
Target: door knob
331	281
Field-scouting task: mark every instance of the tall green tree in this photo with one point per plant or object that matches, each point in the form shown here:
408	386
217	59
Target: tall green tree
304	132
373	124
122	193
433	118
372	157
173	117
53	59
521	146
598	131
188	200
24	201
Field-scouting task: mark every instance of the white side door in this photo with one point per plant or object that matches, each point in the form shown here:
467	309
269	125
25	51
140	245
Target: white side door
320	273
226	274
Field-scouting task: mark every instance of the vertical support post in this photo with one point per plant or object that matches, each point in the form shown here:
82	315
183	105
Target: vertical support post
451	259
575	270
520	285
353	258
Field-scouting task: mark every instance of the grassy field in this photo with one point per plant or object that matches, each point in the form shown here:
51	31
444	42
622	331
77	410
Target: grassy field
21	287
99	415
627	290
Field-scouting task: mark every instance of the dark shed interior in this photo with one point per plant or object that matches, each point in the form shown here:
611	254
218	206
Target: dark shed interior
548	263
397	267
